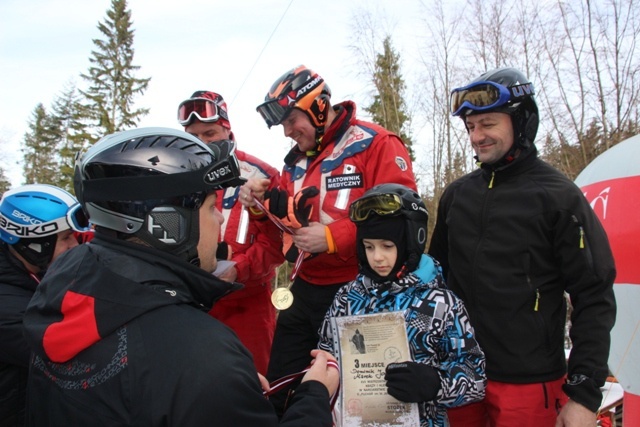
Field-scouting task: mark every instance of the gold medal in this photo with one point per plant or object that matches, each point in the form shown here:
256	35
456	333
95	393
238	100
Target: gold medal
282	298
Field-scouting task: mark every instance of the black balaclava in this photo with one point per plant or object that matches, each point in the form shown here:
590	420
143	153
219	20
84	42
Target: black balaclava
391	228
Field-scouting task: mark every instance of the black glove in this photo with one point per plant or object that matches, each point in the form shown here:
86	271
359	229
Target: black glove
223	251
294	211
301	211
412	381
278	202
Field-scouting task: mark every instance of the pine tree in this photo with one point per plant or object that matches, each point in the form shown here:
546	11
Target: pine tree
40	149
5	183
111	77
388	108
71	132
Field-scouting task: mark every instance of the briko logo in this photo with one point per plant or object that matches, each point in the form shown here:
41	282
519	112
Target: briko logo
27	230
308	86
26	218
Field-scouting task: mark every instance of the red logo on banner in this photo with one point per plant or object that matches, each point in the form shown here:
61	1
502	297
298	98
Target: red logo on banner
617	203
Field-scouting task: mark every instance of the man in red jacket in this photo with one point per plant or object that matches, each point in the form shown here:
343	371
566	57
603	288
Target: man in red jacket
342	157
255	243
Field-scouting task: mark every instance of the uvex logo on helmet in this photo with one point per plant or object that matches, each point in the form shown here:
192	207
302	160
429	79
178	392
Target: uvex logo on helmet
219	173
522	90
28	231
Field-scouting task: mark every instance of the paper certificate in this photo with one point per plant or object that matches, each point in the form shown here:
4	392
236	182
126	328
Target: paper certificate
366	344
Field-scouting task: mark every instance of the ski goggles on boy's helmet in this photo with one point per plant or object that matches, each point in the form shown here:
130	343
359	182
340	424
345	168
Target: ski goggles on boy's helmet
380	204
486	95
204	109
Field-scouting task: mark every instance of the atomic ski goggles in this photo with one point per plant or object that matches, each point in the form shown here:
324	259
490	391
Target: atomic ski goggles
381	204
273	112
483	96
204	109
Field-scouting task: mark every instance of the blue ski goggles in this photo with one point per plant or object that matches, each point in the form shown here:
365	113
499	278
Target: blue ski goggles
486	95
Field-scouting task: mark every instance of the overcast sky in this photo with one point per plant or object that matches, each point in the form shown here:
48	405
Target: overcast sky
190	45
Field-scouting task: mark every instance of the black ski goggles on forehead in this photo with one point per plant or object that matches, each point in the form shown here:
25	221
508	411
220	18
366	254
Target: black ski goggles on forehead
486	95
273	112
203	109
380	204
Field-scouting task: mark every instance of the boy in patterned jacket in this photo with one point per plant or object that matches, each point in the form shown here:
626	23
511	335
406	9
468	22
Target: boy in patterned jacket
447	365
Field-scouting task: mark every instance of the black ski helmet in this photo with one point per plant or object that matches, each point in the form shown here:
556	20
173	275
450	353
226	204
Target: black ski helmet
394	212
504	90
150	183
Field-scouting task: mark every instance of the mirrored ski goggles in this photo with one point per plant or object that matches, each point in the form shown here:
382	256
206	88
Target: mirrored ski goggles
479	96
272	112
381	204
485	95
204	109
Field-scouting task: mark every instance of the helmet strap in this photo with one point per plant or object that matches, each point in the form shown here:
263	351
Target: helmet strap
322	117
318	149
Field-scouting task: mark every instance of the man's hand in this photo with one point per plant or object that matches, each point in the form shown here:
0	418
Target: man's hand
320	371
294	211
229	275
264	383
574	414
253	188
311	239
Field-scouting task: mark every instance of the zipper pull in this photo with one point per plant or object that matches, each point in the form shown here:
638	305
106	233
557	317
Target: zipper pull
581	238
493	175
537	304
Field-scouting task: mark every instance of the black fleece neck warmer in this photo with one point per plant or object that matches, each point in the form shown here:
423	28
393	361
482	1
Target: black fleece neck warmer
388	228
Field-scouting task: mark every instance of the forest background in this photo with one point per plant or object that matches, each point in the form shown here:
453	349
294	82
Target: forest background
582	57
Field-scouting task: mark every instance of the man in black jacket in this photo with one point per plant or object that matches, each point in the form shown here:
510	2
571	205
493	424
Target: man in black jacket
512	238
37	224
119	327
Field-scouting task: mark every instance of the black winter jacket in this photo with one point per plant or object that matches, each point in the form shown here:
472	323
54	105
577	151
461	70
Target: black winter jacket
122	337
511	241
16	289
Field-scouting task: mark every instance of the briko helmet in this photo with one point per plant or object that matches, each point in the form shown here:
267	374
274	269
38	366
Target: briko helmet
391	212
504	90
300	88
31	216
150	183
